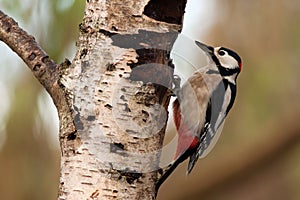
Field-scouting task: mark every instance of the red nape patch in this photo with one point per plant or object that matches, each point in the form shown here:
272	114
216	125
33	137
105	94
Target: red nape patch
240	65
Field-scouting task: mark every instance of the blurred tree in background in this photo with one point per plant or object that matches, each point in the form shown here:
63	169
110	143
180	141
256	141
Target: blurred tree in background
257	156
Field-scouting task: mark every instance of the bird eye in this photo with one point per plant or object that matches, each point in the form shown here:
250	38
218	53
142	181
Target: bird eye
222	52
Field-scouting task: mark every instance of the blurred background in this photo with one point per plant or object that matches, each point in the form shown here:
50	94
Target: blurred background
257	156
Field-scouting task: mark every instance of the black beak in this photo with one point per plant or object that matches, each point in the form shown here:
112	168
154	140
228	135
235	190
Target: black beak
207	49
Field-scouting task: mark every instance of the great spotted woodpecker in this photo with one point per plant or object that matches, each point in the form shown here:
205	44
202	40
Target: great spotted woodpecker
201	106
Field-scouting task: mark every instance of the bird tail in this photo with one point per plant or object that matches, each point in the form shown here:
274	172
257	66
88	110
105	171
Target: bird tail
194	158
171	167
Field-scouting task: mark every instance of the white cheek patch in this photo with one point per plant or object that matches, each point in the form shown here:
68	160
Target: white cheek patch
228	62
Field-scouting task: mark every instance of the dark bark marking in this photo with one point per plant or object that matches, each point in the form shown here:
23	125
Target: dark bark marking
144	39
131	132
107	33
123	98
77	122
119	145
145	116
32	56
115	147
46	60
64	65
146	98
118	148
86	29
127	109
110	67
7	25
154	64
108	106
114	28
37	67
84	66
83	53
91	118
72	136
130	176
170	11
86	183
76	108
95	194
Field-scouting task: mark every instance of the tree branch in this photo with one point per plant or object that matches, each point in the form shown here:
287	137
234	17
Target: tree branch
46	71
43	68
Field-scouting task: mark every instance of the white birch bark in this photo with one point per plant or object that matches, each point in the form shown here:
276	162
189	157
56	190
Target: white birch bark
112	135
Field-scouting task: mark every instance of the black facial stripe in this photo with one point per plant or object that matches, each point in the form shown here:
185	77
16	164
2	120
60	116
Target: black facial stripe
233	54
215	59
226	71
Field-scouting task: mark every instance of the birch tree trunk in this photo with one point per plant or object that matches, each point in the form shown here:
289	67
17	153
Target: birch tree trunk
112	98
118	86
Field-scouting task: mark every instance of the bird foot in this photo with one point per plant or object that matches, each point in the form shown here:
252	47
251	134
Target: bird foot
176	85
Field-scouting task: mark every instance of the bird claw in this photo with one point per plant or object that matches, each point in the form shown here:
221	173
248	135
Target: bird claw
176	85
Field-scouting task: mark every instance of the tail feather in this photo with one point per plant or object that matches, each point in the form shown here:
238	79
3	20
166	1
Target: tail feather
192	162
171	167
193	159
